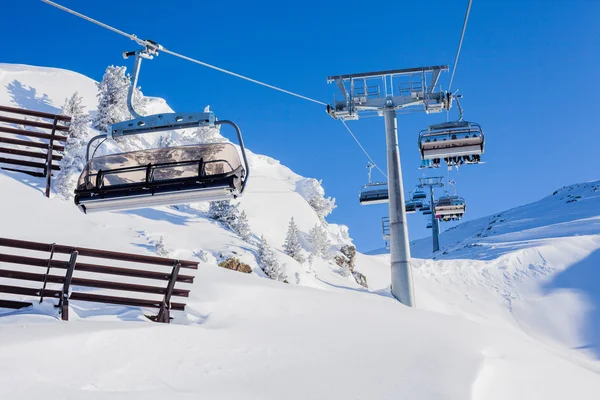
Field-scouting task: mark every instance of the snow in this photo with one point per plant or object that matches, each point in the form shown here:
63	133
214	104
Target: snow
508	310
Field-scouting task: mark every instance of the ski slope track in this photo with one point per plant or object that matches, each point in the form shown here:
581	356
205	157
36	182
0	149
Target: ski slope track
508	310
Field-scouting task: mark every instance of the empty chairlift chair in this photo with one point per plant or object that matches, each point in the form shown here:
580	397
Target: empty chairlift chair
412	206
457	143
374	193
419	195
426	209
450	208
161	176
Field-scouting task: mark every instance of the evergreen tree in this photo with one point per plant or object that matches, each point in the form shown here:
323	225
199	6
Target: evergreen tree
112	105
112	98
73	159
242	227
160	248
225	212
317	237
314	193
269	263
203	135
292	246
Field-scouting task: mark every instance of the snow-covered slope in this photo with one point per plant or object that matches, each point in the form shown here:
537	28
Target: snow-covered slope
534	267
502	315
274	195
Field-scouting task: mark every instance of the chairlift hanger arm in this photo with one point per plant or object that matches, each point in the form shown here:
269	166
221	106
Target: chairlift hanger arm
242	148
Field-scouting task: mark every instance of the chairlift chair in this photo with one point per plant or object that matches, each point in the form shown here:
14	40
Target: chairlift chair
429	225
161	176
457	143
426	209
374	193
450	208
412	206
419	194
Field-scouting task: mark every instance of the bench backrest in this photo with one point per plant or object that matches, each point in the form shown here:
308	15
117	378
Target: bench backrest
38	155
68	273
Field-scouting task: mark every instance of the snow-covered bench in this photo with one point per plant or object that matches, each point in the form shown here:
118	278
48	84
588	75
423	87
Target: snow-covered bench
85	277
43	132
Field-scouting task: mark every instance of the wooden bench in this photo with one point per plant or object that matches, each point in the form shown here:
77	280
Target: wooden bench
52	128
63	279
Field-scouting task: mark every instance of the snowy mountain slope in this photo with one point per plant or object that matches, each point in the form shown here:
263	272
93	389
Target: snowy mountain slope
273	196
243	336
258	339
534	267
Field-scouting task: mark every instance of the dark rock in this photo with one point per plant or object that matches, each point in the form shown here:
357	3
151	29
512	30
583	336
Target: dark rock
360	279
236	265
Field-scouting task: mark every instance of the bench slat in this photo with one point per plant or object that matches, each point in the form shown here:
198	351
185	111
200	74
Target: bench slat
25	163
102	269
124	301
127	287
19	142
14	304
28	291
86	252
32	154
34	113
37	124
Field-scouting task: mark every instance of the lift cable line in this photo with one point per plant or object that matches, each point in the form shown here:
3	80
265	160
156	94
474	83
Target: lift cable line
362	148
151	44
163	49
462	36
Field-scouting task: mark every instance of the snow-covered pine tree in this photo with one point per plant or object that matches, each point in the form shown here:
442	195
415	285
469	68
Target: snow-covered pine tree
112	104
317	237
203	135
292	246
73	159
242	227
224	212
160	248
269	263
112	98
314	193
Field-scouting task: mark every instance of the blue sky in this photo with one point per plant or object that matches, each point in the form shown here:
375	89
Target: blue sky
527	71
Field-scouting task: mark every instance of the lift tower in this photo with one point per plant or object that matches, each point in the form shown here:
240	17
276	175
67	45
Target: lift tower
431	182
386	93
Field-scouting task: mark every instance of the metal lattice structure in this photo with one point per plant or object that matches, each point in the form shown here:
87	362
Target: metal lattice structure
402	89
